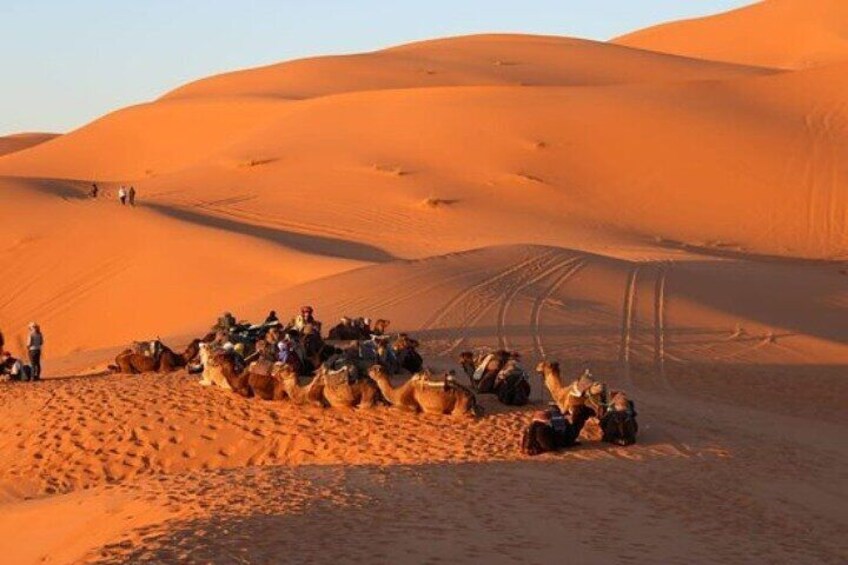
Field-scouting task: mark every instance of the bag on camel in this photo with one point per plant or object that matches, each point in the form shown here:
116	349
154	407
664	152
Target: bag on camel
512	385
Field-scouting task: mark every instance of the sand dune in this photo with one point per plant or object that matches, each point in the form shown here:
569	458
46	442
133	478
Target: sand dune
143	141
476	60
19	141
789	34
678	226
95	274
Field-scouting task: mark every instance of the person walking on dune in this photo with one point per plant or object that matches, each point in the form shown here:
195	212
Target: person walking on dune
122	195
35	343
94	190
131	195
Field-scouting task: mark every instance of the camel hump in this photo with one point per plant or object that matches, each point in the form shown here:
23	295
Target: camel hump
338	377
261	367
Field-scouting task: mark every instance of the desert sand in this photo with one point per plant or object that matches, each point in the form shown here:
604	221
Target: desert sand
668	209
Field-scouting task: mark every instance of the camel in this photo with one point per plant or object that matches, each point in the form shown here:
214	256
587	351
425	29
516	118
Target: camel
224	369
512	385
313	393
619	423
582	395
264	382
420	394
130	362
549	431
406	352
483	368
339	392
212	372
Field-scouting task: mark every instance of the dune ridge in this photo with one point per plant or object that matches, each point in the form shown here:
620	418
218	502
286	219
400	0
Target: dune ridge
787	34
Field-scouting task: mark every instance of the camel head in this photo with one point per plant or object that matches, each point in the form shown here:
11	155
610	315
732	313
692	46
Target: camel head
468	362
619	401
596	398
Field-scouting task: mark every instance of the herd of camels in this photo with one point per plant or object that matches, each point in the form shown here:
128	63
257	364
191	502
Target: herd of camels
365	384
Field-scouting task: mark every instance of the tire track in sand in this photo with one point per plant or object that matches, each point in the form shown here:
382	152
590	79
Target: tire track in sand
575	266
627	319
659	319
503	341
489	286
441	313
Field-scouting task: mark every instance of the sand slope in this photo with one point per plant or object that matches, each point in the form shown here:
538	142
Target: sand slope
95	274
789	34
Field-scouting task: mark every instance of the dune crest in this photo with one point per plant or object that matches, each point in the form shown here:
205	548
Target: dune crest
787	34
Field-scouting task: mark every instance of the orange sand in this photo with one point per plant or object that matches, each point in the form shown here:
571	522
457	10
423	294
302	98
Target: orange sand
678	225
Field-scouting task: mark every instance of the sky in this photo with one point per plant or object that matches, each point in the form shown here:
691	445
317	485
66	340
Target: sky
64	63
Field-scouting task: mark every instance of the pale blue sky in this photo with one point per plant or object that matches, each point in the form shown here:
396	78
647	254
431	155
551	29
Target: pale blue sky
66	62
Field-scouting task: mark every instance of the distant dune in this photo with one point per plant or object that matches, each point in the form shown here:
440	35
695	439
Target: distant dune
476	60
788	34
19	141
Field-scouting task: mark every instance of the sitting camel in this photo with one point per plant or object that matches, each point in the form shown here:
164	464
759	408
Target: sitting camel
339	392
619	423
483	368
420	394
224	369
583	395
264	382
311	394
406	352
550	430
131	362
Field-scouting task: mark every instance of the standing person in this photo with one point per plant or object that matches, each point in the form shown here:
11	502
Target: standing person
94	190
122	195
2	343
34	345
131	196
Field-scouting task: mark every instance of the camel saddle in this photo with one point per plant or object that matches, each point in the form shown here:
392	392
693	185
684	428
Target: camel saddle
512	373
261	367
444	384
558	421
481	368
338	378
152	348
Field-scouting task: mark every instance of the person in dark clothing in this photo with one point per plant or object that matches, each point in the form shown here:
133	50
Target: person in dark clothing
2	342
35	343
94	190
14	369
272	318
131	196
